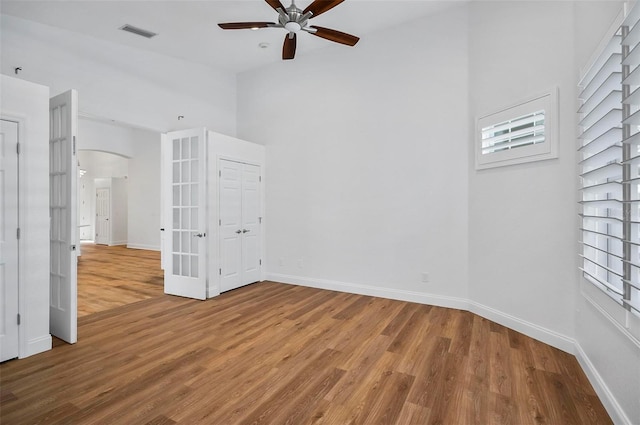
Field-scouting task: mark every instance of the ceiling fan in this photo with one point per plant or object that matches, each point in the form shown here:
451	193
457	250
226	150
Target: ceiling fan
294	20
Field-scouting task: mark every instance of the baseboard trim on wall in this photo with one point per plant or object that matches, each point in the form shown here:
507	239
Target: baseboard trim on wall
117	243
540	333
37	345
145	247
374	291
608	400
532	330
548	336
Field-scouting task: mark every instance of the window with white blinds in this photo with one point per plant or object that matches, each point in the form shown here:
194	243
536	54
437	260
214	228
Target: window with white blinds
524	132
610	167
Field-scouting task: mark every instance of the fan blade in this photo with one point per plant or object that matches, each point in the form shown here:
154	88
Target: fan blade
337	36
244	25
275	4
320	6
289	46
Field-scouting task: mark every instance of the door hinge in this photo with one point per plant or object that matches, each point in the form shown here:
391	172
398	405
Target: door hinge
74	145
260	261
219	173
18	233
18	148
18	319
220	222
260	178
260	220
220	272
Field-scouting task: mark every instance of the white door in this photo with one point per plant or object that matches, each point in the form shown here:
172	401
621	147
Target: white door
185	272
8	240
230	225
63	301
240	233
250	224
103	206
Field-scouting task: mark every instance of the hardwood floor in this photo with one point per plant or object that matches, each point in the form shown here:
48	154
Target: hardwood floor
272	353
113	276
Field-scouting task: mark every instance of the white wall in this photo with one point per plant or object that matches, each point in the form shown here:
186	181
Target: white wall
522	218
144	191
100	136
121	83
29	104
367	161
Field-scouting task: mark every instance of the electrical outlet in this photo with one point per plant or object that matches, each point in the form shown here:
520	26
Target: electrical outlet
281	262
425	277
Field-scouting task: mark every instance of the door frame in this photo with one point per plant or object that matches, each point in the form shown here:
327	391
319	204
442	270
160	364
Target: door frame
214	216
23	349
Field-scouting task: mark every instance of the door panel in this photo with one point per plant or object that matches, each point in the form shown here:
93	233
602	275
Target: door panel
185	271
239	224
250	223
230	224
8	240
62	200
103	207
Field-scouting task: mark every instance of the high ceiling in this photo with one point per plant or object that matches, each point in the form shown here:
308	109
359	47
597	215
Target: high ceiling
188	30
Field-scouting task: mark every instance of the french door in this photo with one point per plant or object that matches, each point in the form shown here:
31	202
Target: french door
185	268
240	227
63	307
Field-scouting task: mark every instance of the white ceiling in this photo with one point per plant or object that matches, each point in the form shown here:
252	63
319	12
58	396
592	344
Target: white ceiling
188	30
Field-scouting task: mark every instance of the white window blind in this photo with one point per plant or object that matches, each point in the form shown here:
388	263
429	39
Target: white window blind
610	167
523	132
517	132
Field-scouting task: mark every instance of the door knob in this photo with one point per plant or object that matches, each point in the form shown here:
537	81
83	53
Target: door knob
238	231
200	235
245	230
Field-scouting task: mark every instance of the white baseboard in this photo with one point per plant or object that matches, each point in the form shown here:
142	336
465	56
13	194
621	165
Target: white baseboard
37	345
532	330
540	333
117	243
548	336
374	291
608	400
143	246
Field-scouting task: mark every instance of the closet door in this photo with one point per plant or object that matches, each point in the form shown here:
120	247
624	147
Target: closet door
9	338
230	225
240	233
250	224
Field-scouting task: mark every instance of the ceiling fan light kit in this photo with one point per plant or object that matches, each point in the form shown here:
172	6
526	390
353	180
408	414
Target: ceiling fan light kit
294	20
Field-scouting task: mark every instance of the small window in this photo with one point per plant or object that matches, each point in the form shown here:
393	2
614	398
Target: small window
521	133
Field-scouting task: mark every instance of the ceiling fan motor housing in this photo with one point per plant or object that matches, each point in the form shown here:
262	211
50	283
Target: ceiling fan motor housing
293	19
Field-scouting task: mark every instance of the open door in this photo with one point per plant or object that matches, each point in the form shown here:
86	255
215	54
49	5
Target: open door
184	187
63	125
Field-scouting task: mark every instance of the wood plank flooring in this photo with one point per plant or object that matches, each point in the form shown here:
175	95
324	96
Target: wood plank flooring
113	276
272	353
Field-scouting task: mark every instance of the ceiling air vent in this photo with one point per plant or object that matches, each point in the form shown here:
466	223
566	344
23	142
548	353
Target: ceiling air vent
138	31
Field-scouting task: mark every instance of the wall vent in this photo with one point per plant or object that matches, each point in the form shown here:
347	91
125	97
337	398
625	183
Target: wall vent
138	31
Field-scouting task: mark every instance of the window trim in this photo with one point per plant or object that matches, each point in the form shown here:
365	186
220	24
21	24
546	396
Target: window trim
547	101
